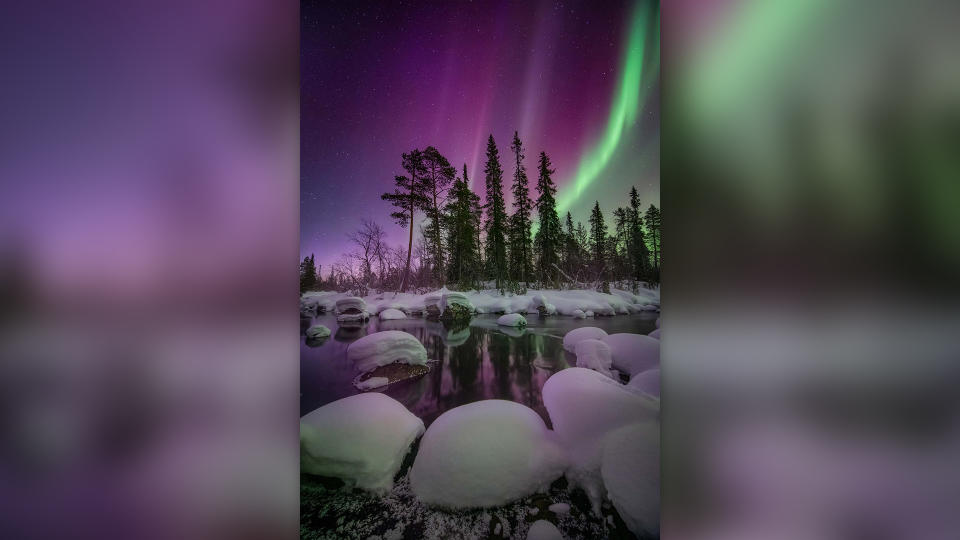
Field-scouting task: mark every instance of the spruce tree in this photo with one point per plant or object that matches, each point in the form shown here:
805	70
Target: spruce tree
496	223
461	232
652	221
438	176
549	238
520	245
639	254
407	197
308	274
570	252
598	238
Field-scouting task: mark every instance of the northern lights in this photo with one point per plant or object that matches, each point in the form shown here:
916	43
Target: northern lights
578	80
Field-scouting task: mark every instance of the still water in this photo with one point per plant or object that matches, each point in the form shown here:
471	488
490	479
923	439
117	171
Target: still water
475	362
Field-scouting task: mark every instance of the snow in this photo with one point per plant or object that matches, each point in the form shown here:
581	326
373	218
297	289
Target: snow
646	381
584	406
512	319
318	332
360	439
633	353
559	508
543	530
484	454
630	468
594	354
655	334
391	314
573	337
351	308
371	383
449	298
579	314
387	347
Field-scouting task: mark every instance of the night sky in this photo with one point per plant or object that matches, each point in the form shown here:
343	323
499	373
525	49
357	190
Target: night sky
579	80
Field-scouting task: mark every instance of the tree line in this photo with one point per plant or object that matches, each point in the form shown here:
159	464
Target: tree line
466	245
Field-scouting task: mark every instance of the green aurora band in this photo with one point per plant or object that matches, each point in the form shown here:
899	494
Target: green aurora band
623	113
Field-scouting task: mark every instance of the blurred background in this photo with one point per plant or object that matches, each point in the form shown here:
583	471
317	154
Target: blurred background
148	253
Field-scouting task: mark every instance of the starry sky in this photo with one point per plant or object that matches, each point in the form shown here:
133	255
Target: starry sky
578	80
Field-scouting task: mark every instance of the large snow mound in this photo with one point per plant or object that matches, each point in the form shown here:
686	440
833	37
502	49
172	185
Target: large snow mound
387	347
594	354
484	454
360	439
630	468
584	406
512	319
633	353
646	381
391	314
543	530
574	336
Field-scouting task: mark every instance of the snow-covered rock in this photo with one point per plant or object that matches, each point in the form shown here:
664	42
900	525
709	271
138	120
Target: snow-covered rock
633	353
360	439
655	334
371	383
352	308
559	508
590	313
579	314
318	332
387	347
594	354
391	314
576	335
630	467
512	319
647	381
454	298
543	530
483	454
584	406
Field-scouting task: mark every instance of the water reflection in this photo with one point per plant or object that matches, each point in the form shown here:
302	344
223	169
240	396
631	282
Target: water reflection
469	362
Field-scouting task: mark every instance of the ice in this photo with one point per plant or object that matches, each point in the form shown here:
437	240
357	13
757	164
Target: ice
655	334
543	530
360	439
387	347
318	332
484	454
512	319
371	383
633	353
584	406
573	337
630	468
646	381
391	314
559	508
594	354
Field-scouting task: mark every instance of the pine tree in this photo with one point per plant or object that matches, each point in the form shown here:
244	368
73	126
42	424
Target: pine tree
621	242
436	180
638	252
308	274
571	253
598	238
652	221
496	223
520	245
407	197
461	232
549	238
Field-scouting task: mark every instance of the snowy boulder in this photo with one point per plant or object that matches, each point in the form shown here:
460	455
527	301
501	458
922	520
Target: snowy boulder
655	334
360	439
454	298
387	347
573	337
543	530
318	332
584	406
630	468
512	319
589	313
594	354
352	308
579	314
391	314
633	353
647	382
485	454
